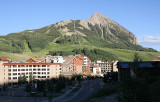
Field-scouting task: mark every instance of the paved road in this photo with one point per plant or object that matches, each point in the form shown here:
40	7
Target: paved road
87	89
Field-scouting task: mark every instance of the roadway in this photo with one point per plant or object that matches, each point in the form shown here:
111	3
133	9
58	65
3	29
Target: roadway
88	88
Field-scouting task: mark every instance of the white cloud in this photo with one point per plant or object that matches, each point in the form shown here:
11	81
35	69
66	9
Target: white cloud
150	41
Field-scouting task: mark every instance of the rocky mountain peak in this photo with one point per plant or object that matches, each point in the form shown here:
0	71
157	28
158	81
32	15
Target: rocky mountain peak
96	14
98	18
108	27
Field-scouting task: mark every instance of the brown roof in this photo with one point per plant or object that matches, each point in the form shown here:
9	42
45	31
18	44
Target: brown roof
32	64
4	59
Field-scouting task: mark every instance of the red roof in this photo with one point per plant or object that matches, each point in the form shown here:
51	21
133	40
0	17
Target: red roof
32	64
4	59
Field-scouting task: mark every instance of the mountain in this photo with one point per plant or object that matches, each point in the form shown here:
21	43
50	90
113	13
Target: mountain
100	25
97	36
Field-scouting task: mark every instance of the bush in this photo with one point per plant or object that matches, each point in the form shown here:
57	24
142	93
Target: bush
28	88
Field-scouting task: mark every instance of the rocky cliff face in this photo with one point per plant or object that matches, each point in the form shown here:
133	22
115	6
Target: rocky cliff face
100	25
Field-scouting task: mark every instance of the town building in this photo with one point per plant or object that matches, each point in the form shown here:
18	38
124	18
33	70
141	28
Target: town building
107	66
95	70
41	71
77	63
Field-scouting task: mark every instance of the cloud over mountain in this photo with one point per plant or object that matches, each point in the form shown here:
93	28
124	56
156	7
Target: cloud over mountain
150	39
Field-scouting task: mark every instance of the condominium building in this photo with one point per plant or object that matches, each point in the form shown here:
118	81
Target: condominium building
41	71
108	66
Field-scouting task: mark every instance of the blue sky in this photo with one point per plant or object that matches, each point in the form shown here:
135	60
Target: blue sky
142	17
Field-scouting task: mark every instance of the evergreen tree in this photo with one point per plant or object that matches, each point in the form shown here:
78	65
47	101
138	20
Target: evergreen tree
31	77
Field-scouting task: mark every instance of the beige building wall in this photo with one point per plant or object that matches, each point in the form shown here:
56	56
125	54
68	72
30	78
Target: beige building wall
3	73
40	72
55	71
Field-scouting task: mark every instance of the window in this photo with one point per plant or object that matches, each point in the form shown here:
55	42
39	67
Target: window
14	73
22	69
30	65
23	73
43	76
9	74
14	70
43	72
34	65
43	69
43	65
9	78
9	70
14	77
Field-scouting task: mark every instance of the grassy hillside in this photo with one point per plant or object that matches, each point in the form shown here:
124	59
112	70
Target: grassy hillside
120	54
15	57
